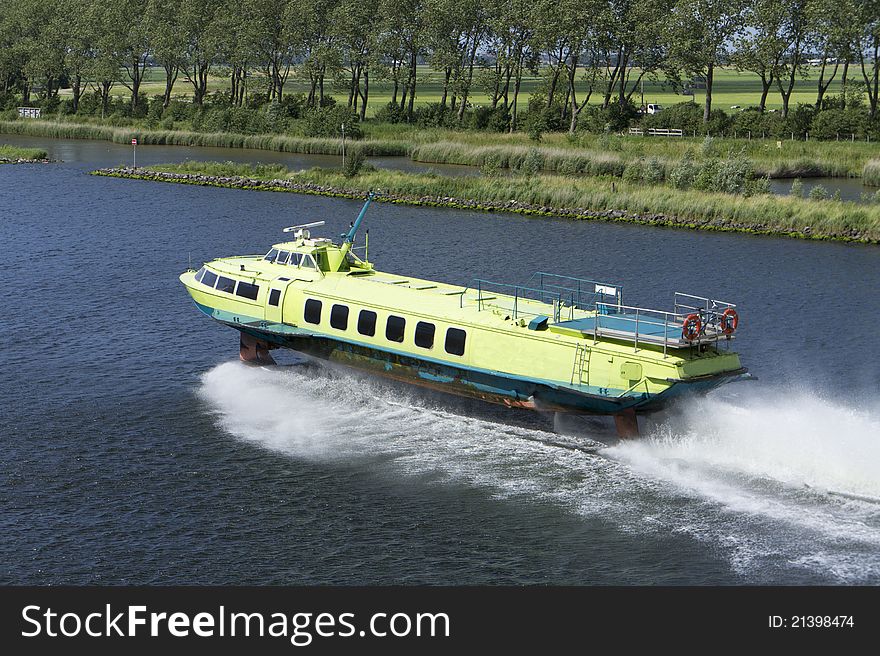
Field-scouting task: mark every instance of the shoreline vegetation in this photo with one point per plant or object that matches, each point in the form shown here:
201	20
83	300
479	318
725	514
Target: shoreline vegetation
16	155
592	155
545	195
274	142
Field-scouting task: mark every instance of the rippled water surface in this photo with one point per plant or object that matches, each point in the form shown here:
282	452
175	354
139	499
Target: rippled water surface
137	449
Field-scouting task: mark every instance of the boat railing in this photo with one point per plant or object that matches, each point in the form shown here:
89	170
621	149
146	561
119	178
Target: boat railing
637	323
575	293
596	307
709	306
652	326
512	298
711	311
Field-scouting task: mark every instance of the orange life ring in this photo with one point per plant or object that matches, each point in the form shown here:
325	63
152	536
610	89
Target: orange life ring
691	327
729	321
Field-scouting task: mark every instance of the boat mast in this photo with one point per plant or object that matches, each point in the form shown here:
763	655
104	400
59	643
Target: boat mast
349	238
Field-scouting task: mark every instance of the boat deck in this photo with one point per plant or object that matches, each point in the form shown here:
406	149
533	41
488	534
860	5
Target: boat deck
632	327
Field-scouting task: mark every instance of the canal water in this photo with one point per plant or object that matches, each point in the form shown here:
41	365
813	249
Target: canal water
137	449
850	189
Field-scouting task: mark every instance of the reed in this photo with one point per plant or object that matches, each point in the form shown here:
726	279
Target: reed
557	160
610	155
589	198
275	142
871	173
13	153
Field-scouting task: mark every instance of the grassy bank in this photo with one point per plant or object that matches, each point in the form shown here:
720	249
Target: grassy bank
275	142
15	154
583	198
582	154
585	152
558	160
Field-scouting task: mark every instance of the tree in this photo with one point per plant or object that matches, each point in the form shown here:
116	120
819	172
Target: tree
125	40
700	35
570	36
167	40
513	28
868	49
401	44
314	45
631	38
79	35
795	33
354	24
201	43
239	44
761	48
45	43
103	68
454	29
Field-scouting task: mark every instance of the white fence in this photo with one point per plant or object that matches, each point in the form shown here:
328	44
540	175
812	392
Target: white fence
656	132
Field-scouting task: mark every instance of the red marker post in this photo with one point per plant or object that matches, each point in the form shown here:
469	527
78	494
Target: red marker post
134	148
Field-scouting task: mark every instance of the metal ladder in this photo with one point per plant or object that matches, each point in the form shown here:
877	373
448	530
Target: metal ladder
580	371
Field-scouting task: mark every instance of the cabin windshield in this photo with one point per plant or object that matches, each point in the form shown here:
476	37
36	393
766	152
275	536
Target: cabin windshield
270	256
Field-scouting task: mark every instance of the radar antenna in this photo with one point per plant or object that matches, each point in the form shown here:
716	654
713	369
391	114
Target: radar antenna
302	230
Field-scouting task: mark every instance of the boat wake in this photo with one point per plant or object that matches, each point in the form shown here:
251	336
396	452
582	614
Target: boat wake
774	487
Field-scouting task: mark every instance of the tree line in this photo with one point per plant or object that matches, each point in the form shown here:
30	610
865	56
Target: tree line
587	51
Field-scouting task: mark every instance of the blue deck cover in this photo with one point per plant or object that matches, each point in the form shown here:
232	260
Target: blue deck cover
624	323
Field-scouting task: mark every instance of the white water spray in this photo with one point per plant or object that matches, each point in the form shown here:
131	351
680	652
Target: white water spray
760	480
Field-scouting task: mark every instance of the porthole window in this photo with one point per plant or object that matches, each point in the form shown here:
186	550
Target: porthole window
312	313
424	334
367	323
455	338
339	317
394	328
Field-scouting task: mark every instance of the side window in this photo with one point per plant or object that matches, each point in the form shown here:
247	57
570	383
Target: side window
225	284
455	341
271	255
394	328
367	323
308	262
200	274
209	278
247	290
274	296
424	334
295	259
312	312
339	317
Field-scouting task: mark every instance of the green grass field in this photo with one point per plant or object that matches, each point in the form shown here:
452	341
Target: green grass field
731	88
